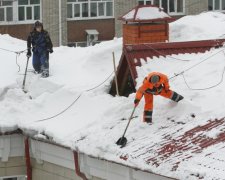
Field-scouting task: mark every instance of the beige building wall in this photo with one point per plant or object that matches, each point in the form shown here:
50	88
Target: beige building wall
46	171
123	6
49	171
14	166
51	22
120	8
195	6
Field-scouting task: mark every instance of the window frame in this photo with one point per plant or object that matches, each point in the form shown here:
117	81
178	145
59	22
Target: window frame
5	11
32	12
175	13
89	17
15	9
145	2
214	4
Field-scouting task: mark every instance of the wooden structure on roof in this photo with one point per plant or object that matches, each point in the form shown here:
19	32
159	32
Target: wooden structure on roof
132	55
145	24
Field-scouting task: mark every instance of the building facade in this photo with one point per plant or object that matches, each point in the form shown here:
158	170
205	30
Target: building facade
86	22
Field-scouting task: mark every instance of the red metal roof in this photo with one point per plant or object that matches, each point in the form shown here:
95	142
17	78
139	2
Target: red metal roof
189	144
134	53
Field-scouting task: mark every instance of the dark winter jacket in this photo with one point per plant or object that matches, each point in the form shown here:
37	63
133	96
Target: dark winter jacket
40	41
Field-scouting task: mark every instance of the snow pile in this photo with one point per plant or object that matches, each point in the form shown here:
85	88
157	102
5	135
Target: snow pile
207	25
146	13
93	120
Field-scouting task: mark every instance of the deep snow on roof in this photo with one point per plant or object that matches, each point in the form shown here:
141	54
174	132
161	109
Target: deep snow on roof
186	140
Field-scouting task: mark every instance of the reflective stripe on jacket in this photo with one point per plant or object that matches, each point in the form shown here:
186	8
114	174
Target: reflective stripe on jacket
148	87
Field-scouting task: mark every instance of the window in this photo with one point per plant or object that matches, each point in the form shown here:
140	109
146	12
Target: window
176	6
16	11
216	5
88	9
223	5
28	10
6	10
145	2
172	7
14	178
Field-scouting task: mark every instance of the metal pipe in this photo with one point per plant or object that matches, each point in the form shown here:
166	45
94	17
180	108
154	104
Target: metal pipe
60	22
77	167
27	155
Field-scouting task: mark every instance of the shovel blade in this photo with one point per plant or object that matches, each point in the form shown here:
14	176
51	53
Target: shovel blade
122	142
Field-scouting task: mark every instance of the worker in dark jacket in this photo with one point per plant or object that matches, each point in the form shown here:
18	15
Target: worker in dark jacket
41	47
154	84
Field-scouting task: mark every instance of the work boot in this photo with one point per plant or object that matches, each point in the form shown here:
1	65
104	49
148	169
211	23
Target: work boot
148	116
44	75
148	121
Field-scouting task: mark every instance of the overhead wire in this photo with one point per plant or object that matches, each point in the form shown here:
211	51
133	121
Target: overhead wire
197	64
210	87
177	74
68	107
17	55
162	54
64	110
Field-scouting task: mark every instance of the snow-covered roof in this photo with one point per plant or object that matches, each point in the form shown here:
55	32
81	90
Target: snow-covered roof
186	140
145	13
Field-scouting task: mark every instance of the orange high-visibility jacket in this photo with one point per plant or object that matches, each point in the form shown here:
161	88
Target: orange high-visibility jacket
148	85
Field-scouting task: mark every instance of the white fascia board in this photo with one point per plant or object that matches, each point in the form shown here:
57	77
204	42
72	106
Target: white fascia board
146	176
111	171
52	153
11	146
103	169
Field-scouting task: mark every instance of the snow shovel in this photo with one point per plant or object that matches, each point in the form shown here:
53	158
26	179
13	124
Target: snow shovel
123	141
25	75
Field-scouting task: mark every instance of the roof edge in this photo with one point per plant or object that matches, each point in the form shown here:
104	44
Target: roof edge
49	141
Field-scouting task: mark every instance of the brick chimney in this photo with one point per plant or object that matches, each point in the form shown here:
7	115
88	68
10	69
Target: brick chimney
145	24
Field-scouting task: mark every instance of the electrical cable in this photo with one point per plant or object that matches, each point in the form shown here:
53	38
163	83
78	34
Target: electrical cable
175	75
213	86
45	119
19	52
160	53
17	55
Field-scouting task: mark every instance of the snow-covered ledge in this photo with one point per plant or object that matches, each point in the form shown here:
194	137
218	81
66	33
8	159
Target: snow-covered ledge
53	154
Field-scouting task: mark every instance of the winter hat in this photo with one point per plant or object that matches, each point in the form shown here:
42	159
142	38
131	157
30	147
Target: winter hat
154	79
38	24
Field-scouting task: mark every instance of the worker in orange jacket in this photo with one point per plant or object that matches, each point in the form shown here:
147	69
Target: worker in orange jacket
154	84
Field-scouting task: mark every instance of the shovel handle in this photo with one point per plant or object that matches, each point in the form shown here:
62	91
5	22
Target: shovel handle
129	121
25	74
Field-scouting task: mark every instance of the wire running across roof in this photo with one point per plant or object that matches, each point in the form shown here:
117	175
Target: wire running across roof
134	53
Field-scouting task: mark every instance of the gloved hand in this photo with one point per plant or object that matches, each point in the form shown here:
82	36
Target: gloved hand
166	90
28	53
50	50
136	102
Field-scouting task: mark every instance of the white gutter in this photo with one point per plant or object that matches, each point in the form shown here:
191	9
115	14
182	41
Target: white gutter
60	22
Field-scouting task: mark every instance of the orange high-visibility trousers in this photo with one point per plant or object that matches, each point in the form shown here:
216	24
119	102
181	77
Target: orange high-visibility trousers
149	98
